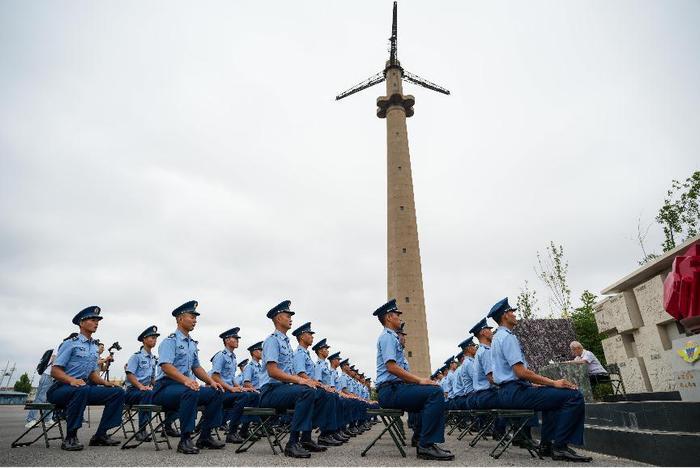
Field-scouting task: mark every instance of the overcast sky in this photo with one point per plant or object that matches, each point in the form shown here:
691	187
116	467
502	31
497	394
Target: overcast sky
157	152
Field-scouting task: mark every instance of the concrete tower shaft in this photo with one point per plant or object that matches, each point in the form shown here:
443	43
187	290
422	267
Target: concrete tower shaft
404	275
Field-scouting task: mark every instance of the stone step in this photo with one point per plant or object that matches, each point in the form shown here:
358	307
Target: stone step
658	416
663	448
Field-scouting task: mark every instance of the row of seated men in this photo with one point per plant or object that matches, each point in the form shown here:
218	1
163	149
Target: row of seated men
274	377
492	374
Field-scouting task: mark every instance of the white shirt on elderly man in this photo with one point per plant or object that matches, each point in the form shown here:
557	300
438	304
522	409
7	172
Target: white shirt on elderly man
594	365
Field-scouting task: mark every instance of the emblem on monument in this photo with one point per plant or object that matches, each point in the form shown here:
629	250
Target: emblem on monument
690	353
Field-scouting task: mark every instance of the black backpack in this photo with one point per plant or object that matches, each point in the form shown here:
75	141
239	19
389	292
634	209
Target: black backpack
44	362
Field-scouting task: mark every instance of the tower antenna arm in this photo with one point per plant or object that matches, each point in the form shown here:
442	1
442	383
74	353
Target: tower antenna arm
408	76
371	81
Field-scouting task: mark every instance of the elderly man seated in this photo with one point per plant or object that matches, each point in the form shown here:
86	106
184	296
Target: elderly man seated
596	372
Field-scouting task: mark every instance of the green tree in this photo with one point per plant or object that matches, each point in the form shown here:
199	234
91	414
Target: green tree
527	302
680	213
553	269
585	327
23	384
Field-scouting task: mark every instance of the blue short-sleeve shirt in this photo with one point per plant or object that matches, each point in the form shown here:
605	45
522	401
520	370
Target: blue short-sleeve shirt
482	366
322	373
276	349
252	372
78	357
303	362
224	363
143	365
505	353
388	349
179	350
463	379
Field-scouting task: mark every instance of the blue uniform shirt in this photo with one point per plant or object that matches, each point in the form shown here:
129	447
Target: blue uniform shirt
303	362
322	372
224	364
78	357
341	382
180	351
451	384
239	379
143	366
463	380
389	349
252	372
505	352
482	366
276	349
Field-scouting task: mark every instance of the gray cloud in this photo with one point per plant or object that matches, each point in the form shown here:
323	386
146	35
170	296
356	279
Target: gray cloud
156	153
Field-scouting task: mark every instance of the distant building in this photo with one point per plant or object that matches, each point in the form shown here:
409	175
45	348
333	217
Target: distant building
639	332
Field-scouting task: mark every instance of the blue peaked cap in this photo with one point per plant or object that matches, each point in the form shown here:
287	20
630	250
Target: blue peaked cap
334	356
186	308
500	308
468	342
306	328
279	308
255	346
479	326
449	361
320	344
150	331
86	313
233	332
459	356
243	363
386	308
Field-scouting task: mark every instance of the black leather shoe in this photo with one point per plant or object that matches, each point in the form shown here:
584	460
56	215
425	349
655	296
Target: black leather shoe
433	452
296	451
141	436
340	438
234	438
170	431
352	432
312	446
414	442
345	433
545	450
567	454
209	443
187	447
329	441
72	444
103	441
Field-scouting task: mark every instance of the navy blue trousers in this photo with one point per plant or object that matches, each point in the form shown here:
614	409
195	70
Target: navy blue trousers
428	399
233	406
143	397
175	396
485	399
283	396
75	399
563	410
460	403
324	410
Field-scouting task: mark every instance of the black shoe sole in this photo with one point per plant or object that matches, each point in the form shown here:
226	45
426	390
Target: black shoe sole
572	460
187	453
297	456
73	449
430	457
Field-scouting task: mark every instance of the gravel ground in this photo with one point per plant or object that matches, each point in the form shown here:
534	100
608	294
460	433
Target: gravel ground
382	454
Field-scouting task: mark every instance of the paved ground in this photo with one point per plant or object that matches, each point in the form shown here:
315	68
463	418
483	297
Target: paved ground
382	454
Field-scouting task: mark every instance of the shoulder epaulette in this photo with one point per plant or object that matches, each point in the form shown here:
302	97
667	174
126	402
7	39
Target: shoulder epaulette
172	335
75	338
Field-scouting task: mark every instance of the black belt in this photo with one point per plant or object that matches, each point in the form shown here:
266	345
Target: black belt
387	384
